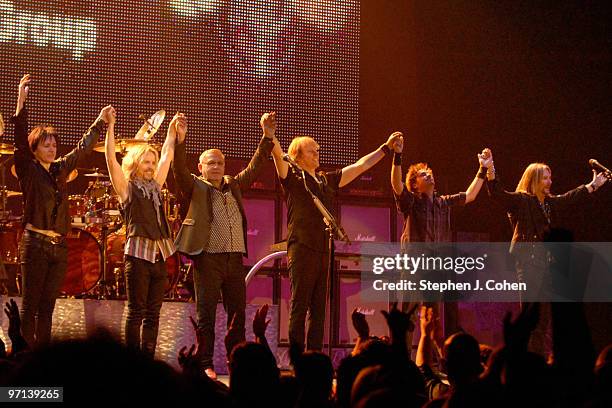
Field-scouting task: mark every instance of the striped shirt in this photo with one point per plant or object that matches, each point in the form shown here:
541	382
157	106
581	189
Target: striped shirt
226	234
147	249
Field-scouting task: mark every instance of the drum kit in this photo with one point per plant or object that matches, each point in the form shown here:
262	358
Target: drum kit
97	237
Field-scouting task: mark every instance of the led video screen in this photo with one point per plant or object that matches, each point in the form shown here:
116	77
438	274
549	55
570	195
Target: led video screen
223	63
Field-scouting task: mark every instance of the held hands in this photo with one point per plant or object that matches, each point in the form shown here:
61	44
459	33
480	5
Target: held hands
485	158
108	115
178	127
23	88
268	124
398	145
395	142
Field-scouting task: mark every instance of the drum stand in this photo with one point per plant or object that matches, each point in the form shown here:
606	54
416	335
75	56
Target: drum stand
102	290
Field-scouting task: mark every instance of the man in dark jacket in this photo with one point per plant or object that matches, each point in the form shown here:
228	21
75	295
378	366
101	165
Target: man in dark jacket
213	234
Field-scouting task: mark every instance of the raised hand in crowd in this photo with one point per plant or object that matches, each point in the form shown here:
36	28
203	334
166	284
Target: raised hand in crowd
260	324
189	359
517	331
360	324
14	330
399	322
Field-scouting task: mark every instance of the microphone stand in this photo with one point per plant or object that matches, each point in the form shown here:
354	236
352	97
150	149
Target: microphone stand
333	229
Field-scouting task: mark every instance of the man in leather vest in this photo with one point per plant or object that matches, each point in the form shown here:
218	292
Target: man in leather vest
213	235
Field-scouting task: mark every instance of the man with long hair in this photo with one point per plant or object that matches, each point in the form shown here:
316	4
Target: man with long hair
42	179
532	209
138	182
534	213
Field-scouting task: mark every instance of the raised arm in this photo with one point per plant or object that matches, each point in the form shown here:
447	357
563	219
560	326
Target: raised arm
508	200
268	125
23	154
247	176
118	180
182	176
85	146
178	124
23	93
485	159
351	172
396	166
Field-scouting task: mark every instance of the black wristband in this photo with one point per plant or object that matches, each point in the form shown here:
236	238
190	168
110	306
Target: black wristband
482	173
385	149
397	159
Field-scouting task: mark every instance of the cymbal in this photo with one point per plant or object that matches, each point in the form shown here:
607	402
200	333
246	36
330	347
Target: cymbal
122	145
73	174
151	125
96	174
6	148
10	193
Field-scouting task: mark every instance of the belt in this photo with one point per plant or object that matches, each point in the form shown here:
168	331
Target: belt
53	240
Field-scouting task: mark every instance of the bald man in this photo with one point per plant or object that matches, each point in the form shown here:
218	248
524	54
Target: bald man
213	235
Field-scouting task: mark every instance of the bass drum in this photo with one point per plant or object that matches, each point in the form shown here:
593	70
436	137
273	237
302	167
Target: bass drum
84	263
114	258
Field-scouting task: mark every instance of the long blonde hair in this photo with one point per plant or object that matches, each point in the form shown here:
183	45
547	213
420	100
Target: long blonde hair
532	176
133	157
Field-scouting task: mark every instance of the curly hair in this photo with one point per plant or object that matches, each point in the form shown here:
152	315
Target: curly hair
413	172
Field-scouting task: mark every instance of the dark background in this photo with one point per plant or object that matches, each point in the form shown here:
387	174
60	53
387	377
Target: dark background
529	79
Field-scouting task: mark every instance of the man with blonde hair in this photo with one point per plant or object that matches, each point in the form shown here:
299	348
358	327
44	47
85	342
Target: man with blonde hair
213	235
307	239
138	181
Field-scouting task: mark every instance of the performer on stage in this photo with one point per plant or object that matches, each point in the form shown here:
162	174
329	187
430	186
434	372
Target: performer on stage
307	239
42	179
138	181
533	210
213	234
427	214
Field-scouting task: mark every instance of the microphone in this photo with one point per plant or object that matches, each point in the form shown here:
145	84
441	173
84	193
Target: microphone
597	165
292	162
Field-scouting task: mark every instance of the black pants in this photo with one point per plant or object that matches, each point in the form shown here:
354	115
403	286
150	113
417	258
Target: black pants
308	275
43	268
146	283
222	272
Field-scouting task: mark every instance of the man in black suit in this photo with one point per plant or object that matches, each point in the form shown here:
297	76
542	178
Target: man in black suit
214	235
